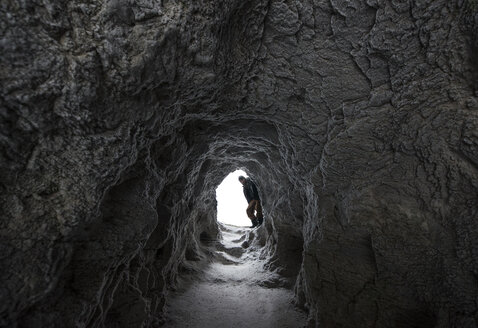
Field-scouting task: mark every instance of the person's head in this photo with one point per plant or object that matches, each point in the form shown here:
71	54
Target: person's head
242	179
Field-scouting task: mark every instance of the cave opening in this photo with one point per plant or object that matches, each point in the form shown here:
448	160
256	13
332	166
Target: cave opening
231	204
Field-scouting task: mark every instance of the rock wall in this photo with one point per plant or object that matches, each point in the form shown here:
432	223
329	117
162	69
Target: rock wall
358	119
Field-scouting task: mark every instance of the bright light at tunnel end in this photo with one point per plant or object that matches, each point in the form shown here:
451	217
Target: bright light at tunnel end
231	203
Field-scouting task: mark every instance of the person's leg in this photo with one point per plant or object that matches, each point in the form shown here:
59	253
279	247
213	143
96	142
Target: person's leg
250	213
250	210
260	217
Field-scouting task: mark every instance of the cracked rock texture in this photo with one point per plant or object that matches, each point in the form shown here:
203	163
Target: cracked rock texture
358	119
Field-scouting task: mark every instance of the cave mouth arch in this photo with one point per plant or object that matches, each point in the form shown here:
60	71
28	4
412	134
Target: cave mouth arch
231	204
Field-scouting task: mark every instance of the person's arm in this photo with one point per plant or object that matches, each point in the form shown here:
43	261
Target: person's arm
255	193
246	194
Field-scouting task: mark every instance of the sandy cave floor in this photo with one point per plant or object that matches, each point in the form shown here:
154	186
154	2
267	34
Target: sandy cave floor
234	291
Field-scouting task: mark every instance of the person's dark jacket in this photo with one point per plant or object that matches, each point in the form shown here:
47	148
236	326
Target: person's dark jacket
250	191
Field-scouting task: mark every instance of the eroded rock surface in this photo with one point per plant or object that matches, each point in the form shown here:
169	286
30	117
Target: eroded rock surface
357	118
234	290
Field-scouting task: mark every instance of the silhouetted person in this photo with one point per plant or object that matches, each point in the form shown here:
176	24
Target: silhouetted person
253	201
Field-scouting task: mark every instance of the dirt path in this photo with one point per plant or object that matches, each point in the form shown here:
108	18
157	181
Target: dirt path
234	291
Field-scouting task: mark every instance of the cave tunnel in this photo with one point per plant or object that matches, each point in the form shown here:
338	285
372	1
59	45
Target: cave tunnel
357	119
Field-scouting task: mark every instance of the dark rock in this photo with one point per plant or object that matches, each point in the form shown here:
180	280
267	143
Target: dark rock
356	118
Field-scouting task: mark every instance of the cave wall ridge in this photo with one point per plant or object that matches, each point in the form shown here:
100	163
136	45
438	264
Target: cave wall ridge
358	119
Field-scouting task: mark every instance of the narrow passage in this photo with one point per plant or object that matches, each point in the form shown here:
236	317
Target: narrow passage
234	290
